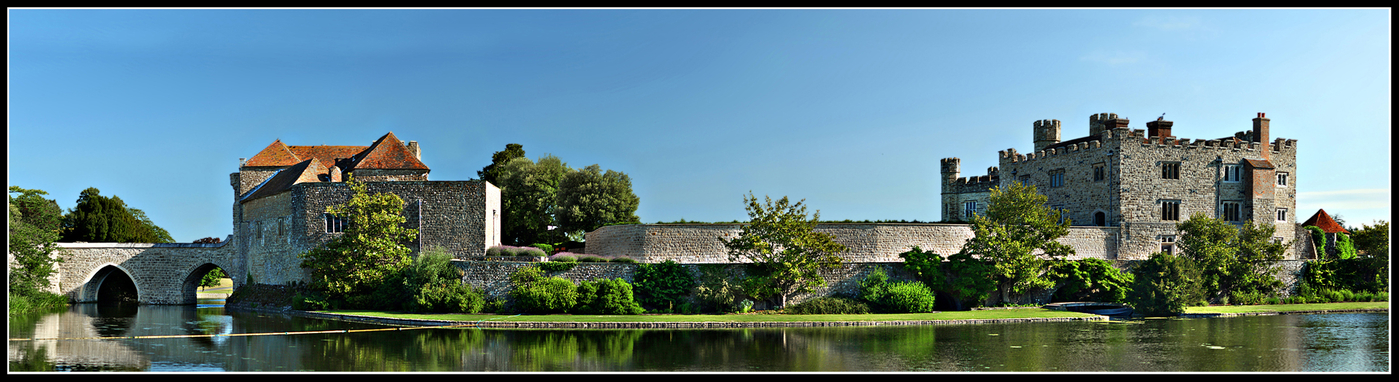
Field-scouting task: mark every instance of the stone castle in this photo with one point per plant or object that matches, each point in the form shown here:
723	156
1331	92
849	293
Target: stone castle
1143	182
281	195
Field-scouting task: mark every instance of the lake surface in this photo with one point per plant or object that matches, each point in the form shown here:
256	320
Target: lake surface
1288	343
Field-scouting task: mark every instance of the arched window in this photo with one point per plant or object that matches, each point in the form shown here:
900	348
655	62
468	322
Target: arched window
1100	219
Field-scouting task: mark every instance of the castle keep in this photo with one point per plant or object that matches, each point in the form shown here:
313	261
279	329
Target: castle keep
281	195
1143	182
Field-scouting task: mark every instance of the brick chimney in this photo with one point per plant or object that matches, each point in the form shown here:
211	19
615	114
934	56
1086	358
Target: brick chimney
1159	128
1260	134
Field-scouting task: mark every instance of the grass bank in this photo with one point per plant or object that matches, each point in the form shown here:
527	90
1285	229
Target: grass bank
1003	314
1286	308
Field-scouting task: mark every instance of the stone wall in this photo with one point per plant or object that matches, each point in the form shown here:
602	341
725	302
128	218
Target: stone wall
874	242
163	273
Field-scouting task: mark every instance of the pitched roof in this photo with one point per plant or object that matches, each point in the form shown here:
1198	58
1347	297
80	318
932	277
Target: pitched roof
388	153
276	154
1323	221
1259	163
327	154
305	171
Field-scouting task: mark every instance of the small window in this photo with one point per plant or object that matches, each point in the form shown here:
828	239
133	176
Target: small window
1232	172
1170	170
1100	219
1282	179
1168	245
1099	172
969	209
1056	178
335	224
1232	211
1170	210
1282	214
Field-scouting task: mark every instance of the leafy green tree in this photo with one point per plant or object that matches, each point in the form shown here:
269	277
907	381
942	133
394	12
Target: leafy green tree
1017	235
491	173
781	241
1091	280
1344	248
607	296
1231	260
528	195
212	278
1372	240
34	226
663	285
966	280
98	218
434	284
590	198
370	250
1164	285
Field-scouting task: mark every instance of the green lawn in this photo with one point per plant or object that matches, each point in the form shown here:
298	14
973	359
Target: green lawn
1286	307
966	315
969	315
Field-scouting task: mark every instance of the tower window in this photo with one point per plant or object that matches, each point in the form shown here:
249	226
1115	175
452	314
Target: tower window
969	209
1232	172
1056	178
1170	170
1232	211
1282	179
335	224
1170	210
1099	172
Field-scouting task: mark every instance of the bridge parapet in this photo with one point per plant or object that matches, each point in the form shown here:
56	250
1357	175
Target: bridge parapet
161	272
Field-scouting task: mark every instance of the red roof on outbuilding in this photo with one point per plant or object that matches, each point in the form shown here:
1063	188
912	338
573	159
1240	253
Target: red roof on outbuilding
1323	221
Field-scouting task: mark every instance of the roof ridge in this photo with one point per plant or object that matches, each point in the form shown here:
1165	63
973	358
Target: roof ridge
388	153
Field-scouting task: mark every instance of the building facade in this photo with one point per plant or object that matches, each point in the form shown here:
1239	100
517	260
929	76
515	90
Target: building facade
281	195
1143	181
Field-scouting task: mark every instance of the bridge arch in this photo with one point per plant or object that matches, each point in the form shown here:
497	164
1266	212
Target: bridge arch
107	283
189	289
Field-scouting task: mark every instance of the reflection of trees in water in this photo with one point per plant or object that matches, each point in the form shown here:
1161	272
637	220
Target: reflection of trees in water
560	350
414	350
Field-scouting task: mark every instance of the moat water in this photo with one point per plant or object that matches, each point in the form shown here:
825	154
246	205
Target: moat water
91	340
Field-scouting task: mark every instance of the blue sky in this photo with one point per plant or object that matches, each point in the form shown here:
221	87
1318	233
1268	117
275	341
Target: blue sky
848	109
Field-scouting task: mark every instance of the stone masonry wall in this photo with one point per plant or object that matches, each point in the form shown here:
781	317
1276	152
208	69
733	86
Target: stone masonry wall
881	242
163	273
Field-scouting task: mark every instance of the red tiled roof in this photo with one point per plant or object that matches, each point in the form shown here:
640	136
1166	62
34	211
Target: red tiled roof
388	153
327	154
276	154
1323	221
305	171
1259	163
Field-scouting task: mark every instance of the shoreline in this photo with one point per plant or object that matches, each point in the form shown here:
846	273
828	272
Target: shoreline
486	324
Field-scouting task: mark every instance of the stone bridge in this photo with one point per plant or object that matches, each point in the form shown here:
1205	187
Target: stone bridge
167	273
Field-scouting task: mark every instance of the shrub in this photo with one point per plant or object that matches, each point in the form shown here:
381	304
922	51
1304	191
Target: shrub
623	259
896	297
535	293
563	258
1164	285
829	305
506	250
607	296
446	298
1091	280
662	285
544	247
557	266
591	259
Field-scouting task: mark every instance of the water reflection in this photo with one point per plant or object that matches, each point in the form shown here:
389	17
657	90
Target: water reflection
1340	342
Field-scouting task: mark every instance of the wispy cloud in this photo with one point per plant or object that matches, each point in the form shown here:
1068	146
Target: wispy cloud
1369	198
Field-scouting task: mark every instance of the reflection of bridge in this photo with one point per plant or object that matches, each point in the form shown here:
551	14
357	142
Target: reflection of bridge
158	273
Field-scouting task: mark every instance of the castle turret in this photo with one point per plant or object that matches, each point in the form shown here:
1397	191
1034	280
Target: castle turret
951	170
1046	133
1097	123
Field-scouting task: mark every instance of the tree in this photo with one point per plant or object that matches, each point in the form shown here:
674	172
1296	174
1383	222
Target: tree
590	198
369	251
781	241
966	280
1164	285
34	226
528	195
1231	260
491	173
1373	241
1017	235
98	218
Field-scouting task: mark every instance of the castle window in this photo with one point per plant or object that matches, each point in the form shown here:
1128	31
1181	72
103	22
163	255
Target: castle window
1168	245
1099	172
1170	210
334	224
1100	219
1170	170
969	209
1232	211
1233	172
1282	214
1282	179
1056	178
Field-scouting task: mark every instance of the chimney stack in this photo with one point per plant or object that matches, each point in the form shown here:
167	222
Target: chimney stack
1260	133
1159	128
